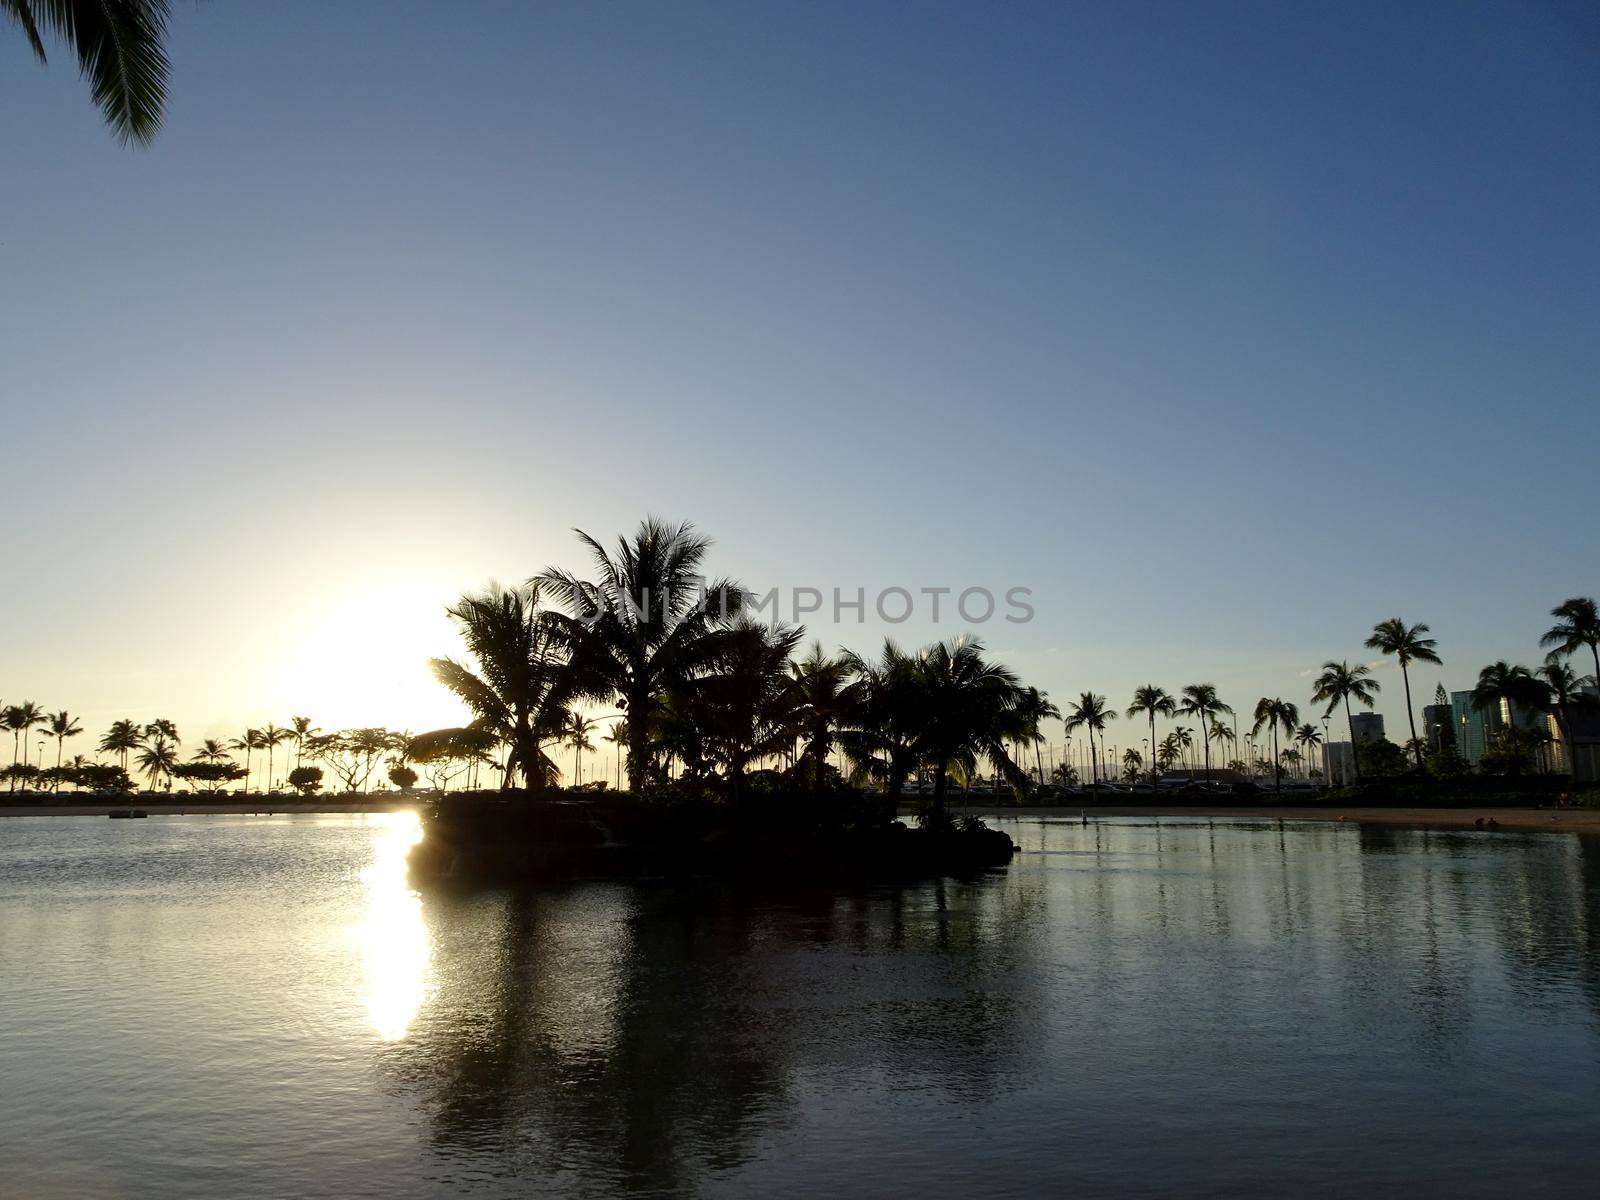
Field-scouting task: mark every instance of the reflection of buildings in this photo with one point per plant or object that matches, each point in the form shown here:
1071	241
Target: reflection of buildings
1366	728
1338	763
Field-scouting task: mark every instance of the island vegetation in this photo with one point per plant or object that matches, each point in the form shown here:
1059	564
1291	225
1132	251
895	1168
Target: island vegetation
704	704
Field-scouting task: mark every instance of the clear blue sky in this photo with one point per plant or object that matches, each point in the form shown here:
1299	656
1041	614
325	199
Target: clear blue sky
1227	329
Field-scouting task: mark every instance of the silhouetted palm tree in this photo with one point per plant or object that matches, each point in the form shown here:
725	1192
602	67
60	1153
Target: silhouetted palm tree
19	719
1091	712
1340	683
1308	737
273	736
1033	710
745	704
827	690
1565	696
968	709
122	739
156	759
643	623
1152	702
517	692
879	738
1408	644
164	729
248	742
63	726
118	45
212	751
1275	714
303	730
1200	702
575	733
1577	624
1514	686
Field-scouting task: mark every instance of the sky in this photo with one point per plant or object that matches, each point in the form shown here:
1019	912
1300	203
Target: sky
1227	330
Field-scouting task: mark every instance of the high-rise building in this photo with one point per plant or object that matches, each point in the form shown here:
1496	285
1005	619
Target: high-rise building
1338	763
1473	727
1366	727
1438	726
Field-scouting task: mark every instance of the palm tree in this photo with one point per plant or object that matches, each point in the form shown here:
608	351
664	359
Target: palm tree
1200	701
1033	710
1275	714
63	726
248	742
1152	701
746	705
968	707
20	718
1091	712
164	729
1515	687
1565	696
1577	624
121	739
1132	763
156	759
1408	644
1309	737
273	736
118	44
575	733
211	751
304	730
647	620
517	692
827	690
618	737
1340	683
879	737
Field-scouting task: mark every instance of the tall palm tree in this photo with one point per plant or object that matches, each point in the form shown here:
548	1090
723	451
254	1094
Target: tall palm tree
63	726
1408	644
645	621
118	45
1091	713
1033	710
618	737
1132	764
517	692
122	739
20	718
827	690
1152	702
1200	702
273	736
1340	683
248	742
1577	624
164	729
1308	737
1276	714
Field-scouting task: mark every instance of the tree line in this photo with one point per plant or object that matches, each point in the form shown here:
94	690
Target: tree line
706	694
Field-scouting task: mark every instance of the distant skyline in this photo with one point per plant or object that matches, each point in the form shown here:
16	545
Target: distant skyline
1228	332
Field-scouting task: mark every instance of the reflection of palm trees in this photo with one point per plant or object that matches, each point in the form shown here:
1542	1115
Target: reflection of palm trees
646	1039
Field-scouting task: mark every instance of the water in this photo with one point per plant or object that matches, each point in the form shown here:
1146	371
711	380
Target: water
240	1006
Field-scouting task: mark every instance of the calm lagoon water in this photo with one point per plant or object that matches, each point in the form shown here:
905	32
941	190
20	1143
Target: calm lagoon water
238	1006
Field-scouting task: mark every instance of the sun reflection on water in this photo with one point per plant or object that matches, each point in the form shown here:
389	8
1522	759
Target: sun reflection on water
393	937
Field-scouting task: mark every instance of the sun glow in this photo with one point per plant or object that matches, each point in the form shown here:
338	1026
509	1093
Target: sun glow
364	660
393	937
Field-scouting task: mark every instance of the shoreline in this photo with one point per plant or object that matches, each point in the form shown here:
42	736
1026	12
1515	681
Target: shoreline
229	808
1548	820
